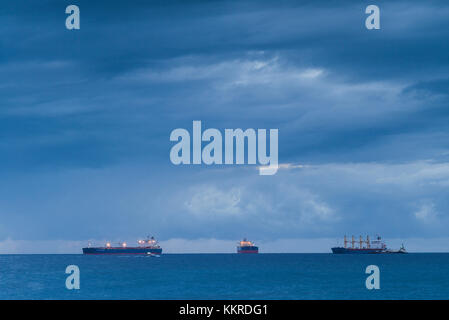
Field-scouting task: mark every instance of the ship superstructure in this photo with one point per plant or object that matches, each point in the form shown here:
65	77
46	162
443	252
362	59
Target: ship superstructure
147	246
246	246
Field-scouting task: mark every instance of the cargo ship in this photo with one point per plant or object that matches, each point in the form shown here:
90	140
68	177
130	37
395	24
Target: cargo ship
246	246
148	246
365	247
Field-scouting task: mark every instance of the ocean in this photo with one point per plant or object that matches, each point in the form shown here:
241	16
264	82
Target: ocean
226	276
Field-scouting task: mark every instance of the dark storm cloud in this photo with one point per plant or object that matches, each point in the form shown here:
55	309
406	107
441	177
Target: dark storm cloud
49	70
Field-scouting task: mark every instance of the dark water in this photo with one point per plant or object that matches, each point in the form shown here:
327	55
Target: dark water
225	276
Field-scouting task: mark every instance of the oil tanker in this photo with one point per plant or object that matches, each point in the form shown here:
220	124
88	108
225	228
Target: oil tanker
365	247
246	246
148	246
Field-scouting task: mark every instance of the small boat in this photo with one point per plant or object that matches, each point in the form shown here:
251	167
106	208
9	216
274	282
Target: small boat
401	250
153	255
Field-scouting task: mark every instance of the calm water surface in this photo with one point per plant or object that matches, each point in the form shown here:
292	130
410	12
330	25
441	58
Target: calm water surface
226	276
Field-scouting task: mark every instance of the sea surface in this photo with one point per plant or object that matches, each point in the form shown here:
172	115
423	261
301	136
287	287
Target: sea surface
226	276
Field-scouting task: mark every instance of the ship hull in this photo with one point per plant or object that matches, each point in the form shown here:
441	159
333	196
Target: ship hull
341	250
248	249
123	251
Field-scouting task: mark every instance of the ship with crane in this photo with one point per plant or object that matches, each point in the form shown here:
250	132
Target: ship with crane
367	246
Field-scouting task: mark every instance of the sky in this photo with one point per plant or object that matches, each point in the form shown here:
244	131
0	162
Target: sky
86	116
